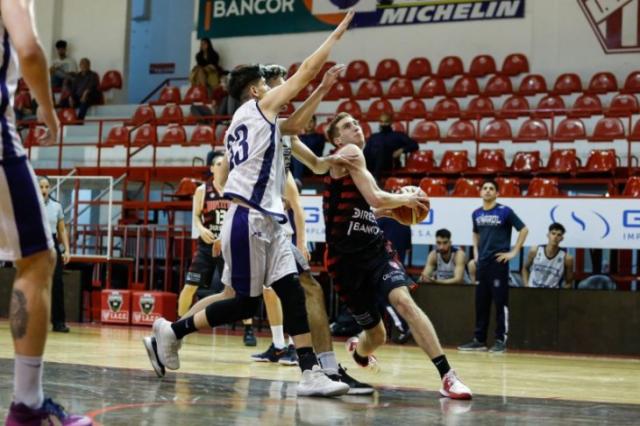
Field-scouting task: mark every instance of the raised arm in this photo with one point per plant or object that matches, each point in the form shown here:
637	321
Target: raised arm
275	98
526	268
292	195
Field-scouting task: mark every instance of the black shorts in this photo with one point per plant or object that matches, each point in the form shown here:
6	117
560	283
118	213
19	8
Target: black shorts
203	266
364	282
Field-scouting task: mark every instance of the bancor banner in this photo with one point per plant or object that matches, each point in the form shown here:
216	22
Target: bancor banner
233	18
590	222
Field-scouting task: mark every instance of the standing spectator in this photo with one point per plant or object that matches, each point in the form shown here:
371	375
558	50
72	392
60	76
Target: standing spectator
85	90
384	148
549	265
315	141
492	225
445	264
62	69
207	70
55	215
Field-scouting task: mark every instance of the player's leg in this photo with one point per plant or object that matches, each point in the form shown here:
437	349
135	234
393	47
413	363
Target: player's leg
278	348
500	295
483	310
185	299
199	275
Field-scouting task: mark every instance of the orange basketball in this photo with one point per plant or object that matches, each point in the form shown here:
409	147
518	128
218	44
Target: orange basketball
408	215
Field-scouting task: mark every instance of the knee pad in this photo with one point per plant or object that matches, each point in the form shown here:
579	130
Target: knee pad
231	310
292	298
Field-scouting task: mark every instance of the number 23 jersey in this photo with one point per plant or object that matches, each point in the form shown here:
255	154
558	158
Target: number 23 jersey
256	161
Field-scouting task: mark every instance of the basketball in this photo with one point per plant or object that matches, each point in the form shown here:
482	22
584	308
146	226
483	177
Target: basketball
408	215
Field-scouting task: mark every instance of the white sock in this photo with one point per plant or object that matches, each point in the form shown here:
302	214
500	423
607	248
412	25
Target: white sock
291	341
328	361
277	334
27	380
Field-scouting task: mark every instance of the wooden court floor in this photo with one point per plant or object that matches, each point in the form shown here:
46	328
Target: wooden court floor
104	371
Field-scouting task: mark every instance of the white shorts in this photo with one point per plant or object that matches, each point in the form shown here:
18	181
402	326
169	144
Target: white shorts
24	229
256	251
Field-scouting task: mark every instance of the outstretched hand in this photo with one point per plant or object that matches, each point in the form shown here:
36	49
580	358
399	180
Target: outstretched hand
344	25
331	76
50	136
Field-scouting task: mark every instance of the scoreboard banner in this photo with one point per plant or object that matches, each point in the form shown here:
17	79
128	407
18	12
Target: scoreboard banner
234	18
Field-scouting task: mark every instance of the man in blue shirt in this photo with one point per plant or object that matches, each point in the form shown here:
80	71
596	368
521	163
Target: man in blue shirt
492	225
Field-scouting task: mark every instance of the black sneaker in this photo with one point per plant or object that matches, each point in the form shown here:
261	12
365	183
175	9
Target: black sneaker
249	338
290	357
474	345
355	387
270	355
498	347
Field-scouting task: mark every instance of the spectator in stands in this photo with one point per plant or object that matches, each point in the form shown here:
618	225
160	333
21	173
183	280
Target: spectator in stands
492	225
62	69
85	90
384	148
207	71
445	264
549	265
315	141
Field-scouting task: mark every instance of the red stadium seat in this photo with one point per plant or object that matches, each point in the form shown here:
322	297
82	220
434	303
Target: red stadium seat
508	186
498	85
543	187
411	109
445	108
145	135
622	105
67	115
418	68
532	130
432	87
340	90
635	132
608	129
434	187
356	70
482	65
195	94
168	95
480	106
496	130
563	161
426	131
387	69
187	187
171	114
117	136
377	108
325	67
203	135
293	68
399	126
112	79
550	106
632	83
400	88
491	161
394	183
532	85
461	130
586	105
567	83
366	129
632	187
515	106
450	66
306	92
601	161
454	162
603	82
465	188
175	135
143	114
526	162
350	107
464	86
369	89
569	130
514	64
420	162
22	100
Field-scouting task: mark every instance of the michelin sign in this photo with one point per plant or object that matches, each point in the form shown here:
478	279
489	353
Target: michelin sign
233	18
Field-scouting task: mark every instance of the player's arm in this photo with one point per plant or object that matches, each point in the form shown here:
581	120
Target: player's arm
198	202
506	257
459	260
318	165
429	268
526	268
292	195
63	236
568	271
17	16
475	238
275	98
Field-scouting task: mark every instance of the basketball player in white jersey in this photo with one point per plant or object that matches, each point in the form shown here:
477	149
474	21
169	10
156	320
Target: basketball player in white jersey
445	264
549	266
255	246
25	237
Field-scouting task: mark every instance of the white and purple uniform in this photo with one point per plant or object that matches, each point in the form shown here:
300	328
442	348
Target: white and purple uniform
24	229
255	245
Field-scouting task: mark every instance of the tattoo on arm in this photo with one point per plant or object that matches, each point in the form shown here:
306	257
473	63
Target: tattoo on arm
19	317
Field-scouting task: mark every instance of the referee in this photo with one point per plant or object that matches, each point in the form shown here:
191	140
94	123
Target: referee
492	225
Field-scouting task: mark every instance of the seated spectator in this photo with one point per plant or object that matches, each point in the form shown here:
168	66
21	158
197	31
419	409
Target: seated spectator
221	104
549	265
207	71
85	90
384	148
62	69
315	141
445	264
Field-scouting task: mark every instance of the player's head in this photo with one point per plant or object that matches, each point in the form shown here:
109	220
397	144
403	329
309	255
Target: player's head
215	164
274	75
555	234
61	47
443	241
247	82
84	64
344	129
489	190
45	186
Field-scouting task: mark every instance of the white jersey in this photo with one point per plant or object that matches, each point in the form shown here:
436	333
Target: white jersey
547	272
446	270
9	70
256	161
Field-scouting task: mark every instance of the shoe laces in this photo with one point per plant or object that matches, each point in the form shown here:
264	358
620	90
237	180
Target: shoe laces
54	408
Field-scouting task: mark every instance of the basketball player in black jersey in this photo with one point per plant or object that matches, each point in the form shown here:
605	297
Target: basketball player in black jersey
361	267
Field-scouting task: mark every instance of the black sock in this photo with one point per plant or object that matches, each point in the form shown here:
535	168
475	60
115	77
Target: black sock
306	358
183	327
248	327
441	364
360	360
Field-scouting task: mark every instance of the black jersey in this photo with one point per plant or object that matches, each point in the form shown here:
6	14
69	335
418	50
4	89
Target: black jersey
213	211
